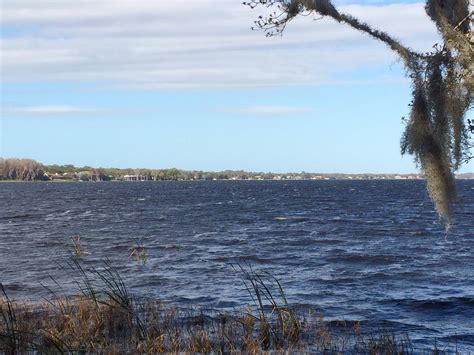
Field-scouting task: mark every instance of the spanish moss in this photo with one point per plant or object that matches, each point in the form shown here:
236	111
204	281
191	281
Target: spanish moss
436	133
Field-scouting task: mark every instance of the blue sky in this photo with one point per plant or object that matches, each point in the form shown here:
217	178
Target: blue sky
186	84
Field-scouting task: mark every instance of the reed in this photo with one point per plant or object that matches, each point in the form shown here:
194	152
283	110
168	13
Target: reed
77	247
138	253
10	333
104	317
278	326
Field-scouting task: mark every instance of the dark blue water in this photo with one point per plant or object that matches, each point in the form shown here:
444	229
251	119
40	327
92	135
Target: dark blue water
365	250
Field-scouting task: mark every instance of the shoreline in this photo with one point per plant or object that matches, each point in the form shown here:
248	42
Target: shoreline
27	169
227	180
106	316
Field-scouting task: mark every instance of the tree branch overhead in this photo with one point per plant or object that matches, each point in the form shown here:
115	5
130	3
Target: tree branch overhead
442	84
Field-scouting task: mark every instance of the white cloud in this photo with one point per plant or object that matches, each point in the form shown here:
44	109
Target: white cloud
269	110
182	44
48	109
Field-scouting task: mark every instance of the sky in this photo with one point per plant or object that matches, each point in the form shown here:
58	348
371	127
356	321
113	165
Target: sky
188	84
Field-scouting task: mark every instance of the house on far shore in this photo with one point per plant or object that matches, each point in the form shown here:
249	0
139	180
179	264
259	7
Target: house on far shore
135	178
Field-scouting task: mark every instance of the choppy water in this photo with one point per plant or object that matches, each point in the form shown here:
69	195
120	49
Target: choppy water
366	250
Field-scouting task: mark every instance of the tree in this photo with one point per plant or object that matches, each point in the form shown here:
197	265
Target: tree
21	169
436	131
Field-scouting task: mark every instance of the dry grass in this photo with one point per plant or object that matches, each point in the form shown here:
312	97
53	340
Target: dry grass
138	253
105	318
79	325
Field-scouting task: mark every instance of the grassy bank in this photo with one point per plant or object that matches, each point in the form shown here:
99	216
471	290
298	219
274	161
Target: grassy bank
104	317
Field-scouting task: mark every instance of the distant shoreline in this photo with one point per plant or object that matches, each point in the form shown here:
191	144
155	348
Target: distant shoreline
31	170
229	180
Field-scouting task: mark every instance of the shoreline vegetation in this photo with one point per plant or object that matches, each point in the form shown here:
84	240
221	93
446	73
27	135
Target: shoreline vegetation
31	170
105	317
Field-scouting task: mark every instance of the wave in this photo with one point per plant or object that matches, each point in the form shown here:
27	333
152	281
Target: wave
450	303
370	259
18	216
292	219
456	338
243	259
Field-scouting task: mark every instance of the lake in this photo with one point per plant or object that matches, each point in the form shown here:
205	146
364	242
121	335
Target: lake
356	250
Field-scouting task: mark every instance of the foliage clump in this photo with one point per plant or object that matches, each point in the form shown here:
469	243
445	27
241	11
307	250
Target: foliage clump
442	85
21	169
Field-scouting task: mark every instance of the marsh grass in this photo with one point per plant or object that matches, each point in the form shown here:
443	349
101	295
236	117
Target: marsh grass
77	248
277	324
105	318
138	253
10	333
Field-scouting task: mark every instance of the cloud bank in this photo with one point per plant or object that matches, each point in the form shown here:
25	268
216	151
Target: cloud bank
182	44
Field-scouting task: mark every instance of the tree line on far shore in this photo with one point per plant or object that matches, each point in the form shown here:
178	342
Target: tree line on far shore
31	170
21	169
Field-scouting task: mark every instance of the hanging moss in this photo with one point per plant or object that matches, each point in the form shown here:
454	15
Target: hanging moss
436	133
